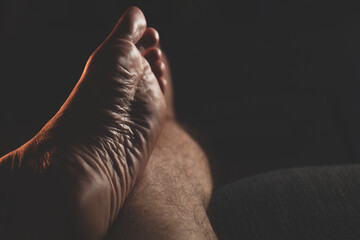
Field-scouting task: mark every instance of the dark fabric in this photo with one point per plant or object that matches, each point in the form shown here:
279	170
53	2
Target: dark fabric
297	204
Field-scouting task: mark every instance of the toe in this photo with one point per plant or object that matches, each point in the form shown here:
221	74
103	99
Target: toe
158	69
131	25
149	39
153	55
163	84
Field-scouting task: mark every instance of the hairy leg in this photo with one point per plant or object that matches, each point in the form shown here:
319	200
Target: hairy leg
170	200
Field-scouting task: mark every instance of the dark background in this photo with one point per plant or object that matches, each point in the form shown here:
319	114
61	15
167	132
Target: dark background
263	84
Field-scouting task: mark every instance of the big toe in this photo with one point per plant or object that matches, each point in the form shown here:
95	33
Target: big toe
131	25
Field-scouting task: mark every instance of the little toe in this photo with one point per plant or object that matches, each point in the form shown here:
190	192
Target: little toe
163	84
131	25
149	39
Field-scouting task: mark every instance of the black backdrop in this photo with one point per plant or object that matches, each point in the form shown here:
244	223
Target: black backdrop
265	84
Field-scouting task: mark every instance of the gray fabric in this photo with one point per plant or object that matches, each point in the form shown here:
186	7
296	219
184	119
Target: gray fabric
304	203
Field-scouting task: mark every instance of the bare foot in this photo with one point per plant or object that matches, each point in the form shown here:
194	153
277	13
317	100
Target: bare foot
71	179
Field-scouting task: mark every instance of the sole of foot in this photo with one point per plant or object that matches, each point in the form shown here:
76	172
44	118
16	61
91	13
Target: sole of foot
74	175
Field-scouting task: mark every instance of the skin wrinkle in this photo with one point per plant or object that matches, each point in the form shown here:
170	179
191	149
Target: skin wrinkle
121	112
139	136
140	122
113	179
120	169
82	154
132	77
122	74
113	150
116	182
130	149
131	153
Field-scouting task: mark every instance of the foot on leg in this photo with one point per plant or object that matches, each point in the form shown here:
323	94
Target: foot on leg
85	161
